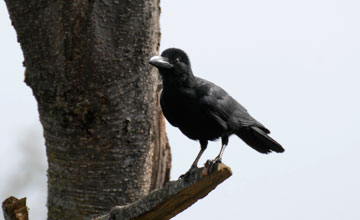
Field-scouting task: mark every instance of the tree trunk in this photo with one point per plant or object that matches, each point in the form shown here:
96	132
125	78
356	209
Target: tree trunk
87	64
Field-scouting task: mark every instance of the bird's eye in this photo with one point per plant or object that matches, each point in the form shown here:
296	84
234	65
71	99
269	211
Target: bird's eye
178	60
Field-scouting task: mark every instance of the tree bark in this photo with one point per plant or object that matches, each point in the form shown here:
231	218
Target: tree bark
87	65
174	197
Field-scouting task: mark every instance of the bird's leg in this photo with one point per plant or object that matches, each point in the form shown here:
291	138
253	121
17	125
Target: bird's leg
203	145
224	142
194	164
218	158
212	164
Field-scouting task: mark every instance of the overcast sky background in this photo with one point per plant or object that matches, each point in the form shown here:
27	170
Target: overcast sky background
295	65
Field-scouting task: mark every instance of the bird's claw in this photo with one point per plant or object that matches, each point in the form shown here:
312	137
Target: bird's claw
216	160
212	164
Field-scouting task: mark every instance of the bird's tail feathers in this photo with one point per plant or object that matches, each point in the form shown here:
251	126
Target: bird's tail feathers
256	138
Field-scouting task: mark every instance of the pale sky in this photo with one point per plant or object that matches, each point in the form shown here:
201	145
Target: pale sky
295	65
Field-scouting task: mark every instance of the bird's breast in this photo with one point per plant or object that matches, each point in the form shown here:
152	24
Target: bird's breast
183	110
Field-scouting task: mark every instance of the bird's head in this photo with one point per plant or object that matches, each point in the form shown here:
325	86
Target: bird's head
173	63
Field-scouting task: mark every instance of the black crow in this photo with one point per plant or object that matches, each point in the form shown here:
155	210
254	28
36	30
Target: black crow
203	111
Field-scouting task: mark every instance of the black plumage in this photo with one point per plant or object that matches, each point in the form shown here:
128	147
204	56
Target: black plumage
202	110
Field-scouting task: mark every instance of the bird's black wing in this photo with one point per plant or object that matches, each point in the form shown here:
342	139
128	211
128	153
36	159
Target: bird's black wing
219	105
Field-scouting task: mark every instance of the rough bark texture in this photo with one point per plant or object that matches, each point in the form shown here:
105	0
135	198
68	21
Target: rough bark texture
165	203
87	64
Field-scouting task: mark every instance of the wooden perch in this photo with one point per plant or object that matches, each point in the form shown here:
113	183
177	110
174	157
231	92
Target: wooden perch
161	204
15	209
174	197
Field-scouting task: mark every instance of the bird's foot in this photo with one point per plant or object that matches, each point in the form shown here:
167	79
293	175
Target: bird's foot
216	160
211	165
189	173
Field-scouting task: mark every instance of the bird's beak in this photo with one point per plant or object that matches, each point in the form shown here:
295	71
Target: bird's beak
160	62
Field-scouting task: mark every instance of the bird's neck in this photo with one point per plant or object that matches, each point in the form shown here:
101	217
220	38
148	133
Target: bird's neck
170	82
